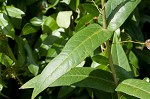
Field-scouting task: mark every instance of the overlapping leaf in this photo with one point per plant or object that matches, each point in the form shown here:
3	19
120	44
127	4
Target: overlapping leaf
135	87
120	59
76	50
6	26
117	11
87	77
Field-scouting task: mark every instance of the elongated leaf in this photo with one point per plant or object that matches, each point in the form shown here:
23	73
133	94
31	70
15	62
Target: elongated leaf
75	51
120	59
83	77
21	56
135	87
117	11
87	77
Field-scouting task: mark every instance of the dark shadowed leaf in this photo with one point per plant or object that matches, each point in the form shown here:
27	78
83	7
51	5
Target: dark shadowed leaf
87	77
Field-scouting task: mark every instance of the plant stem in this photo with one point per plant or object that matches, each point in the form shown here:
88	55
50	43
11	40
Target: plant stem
109	48
130	42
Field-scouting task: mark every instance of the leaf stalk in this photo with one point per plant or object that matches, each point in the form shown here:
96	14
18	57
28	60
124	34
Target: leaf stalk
109	47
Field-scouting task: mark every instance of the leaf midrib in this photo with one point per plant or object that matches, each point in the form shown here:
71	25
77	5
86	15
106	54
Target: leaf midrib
72	52
135	87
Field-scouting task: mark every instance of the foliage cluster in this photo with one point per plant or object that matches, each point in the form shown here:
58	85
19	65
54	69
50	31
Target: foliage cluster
58	48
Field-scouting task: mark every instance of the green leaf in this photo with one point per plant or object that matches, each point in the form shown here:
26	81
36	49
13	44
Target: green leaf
49	25
28	49
87	77
68	91
91	9
120	60
63	18
6	26
5	60
74	4
14	12
21	57
101	59
1	86
135	87
134	62
82	77
33	69
125	96
53	4
29	28
37	21
74	52
85	20
66	1
117	11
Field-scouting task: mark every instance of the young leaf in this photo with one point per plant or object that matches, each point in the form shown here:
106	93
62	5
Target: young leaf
117	11
120	59
75	51
135	87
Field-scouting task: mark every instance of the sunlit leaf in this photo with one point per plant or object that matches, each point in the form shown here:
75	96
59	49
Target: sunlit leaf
6	26
75	51
14	12
63	19
117	11
5	60
37	21
66	1
49	25
135	87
